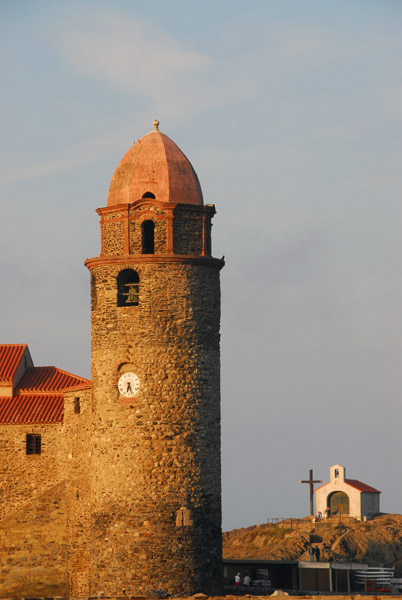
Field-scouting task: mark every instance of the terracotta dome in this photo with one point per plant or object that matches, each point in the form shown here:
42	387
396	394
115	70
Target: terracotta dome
155	167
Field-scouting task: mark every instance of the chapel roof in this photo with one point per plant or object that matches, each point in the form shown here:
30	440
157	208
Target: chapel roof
155	167
362	487
355	483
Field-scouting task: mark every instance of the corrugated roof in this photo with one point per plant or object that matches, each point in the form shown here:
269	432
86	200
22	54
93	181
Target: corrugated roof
41	408
362	487
10	356
48	379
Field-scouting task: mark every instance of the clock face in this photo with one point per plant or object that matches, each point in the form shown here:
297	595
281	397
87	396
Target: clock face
129	385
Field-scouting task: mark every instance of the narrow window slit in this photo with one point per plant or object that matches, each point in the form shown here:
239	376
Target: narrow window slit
33	443
148	234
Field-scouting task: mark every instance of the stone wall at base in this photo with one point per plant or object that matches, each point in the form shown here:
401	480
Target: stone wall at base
236	597
277	593
33	548
155	457
25	477
33	517
77	429
315	597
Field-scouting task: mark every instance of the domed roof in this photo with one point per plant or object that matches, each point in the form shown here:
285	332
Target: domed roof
155	167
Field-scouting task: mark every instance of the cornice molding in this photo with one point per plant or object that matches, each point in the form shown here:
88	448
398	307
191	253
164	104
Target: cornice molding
128	259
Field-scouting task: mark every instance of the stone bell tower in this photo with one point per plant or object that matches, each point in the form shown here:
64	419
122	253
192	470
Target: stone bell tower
155	448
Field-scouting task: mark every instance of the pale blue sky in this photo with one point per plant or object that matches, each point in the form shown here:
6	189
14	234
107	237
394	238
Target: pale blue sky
290	112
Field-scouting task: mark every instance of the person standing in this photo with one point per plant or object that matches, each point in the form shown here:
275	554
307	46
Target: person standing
247	579
237	580
317	554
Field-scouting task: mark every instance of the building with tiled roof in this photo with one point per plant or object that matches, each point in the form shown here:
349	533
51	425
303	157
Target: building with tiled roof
34	467
112	487
31	394
346	497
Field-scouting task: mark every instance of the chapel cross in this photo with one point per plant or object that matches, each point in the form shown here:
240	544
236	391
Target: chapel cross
311	482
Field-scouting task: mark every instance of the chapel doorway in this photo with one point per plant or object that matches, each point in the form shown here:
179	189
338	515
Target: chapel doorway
338	503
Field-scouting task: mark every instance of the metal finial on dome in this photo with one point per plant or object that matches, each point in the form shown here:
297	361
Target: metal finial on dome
156	125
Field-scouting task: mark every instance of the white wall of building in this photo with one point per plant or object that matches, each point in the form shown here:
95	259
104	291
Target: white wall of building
361	504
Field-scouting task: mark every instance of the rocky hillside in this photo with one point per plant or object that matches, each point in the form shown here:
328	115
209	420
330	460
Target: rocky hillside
376	543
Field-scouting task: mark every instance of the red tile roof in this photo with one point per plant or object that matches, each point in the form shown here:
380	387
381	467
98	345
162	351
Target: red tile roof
41	408
362	487
38	397
358	485
10	356
48	379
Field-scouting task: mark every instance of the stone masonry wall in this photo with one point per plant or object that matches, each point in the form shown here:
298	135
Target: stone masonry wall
33	548
33	521
160	236
187	235
25	477
113	237
77	429
187	230
156	481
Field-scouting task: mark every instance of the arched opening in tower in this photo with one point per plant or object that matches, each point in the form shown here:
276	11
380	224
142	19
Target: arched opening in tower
148	233
128	288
